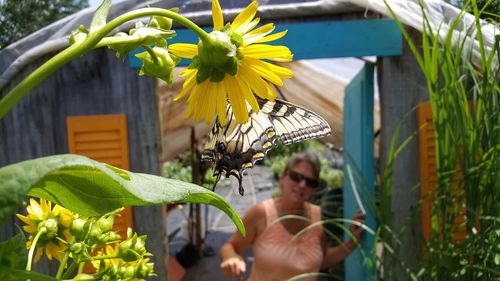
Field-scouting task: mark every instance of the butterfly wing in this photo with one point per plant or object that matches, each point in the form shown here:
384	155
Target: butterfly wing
236	147
294	123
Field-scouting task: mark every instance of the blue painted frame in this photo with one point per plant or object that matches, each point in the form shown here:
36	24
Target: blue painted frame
325	39
360	158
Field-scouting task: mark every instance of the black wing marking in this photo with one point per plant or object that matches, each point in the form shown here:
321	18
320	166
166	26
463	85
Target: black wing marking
236	147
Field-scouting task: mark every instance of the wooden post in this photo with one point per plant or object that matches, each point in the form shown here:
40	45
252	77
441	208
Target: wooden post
402	87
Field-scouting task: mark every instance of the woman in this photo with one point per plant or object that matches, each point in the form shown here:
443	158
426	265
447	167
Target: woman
280	254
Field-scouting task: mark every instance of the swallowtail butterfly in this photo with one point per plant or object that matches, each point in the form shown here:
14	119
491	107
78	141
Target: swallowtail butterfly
236	147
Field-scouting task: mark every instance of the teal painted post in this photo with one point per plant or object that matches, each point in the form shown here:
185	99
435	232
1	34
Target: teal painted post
359	156
325	39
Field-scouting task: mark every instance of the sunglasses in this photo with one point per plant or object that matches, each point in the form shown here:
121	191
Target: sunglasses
297	177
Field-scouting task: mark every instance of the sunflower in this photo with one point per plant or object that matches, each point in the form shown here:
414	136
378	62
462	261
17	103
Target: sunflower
231	66
55	220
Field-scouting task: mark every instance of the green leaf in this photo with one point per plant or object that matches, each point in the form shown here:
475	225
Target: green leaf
13	255
100	15
91	188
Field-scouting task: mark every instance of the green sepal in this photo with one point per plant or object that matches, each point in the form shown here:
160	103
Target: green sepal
195	62
78	35
236	39
100	15
217	76
204	72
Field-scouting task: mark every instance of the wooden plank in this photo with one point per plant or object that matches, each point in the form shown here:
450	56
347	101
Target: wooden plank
325	39
429	180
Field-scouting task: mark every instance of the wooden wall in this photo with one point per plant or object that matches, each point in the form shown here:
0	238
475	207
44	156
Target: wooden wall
97	83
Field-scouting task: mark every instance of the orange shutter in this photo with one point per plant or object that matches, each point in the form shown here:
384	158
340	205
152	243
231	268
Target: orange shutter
103	138
428	175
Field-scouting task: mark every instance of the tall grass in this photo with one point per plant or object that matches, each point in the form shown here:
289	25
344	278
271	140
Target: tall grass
466	118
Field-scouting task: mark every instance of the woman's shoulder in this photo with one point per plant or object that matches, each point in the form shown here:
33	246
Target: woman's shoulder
260	208
315	210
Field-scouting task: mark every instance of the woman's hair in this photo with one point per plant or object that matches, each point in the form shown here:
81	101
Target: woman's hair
309	158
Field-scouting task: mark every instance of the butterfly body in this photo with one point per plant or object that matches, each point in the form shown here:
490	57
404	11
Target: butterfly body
237	147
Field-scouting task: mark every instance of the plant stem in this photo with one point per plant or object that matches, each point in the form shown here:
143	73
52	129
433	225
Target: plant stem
64	261
80	267
33	247
151	52
70	269
80	48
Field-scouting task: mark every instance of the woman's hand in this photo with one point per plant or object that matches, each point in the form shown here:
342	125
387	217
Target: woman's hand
233	267
357	230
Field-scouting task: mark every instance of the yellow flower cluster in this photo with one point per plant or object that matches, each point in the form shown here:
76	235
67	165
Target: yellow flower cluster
53	221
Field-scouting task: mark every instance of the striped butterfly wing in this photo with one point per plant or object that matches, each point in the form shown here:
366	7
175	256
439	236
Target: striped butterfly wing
293	123
236	147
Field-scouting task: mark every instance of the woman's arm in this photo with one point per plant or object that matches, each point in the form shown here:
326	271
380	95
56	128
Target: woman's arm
338	253
233	264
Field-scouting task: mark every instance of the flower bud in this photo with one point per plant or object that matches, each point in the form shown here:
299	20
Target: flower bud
78	229
50	225
105	223
158	64
144	270
76	248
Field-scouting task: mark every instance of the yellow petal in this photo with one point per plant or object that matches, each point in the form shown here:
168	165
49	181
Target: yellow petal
263	70
46	206
272	37
252	79
271	94
282	72
184	50
218	20
25	219
187	86
263	51
35	209
38	254
188	71
211	101
258	33
221	103
30	228
195	98
248	95
242	29
237	102
245	16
